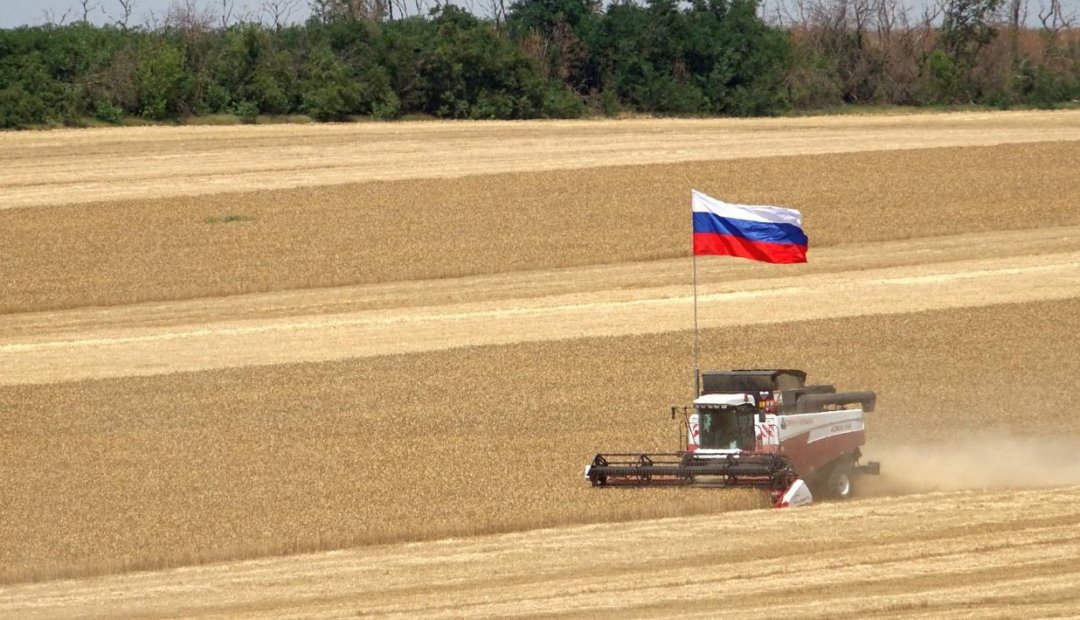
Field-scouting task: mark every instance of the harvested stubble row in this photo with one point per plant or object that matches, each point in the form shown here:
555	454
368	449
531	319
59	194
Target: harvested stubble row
141	472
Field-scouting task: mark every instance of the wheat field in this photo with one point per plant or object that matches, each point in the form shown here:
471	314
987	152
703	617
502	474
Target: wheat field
133	250
190	375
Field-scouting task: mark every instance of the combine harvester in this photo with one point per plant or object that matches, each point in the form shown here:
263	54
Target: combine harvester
762	429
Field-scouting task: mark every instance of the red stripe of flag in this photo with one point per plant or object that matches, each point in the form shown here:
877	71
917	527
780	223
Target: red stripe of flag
728	245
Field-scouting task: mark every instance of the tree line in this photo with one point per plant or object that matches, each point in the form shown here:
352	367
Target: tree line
541	58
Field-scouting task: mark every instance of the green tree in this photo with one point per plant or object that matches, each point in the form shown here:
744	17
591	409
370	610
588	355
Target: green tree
966	29
253	70
752	66
55	74
328	92
357	43
405	44
715	56
472	72
159	78
563	35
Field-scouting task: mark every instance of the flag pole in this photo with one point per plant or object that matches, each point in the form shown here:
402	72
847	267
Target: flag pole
697	365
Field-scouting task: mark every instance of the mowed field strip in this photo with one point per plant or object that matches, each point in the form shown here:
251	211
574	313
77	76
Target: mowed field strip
850	280
938	555
79	166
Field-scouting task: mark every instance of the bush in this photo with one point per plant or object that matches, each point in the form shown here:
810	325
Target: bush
388	107
328	93
605	102
159	80
19	109
108	113
560	102
247	112
943	83
814	84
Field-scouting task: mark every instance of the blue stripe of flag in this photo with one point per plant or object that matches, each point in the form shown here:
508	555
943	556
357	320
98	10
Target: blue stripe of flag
749	230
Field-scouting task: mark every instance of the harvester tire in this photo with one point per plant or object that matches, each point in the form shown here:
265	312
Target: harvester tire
838	484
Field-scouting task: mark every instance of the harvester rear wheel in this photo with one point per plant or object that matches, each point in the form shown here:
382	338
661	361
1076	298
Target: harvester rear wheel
838	483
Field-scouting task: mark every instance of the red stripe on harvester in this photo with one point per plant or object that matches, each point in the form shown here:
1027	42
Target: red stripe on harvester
727	245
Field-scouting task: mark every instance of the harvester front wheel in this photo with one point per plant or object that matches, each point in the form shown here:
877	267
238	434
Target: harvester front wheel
838	483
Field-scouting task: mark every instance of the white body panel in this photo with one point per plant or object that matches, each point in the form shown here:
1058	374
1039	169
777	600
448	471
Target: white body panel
775	431
821	424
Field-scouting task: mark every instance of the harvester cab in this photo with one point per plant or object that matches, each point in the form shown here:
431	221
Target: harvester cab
762	429
723	422
738	409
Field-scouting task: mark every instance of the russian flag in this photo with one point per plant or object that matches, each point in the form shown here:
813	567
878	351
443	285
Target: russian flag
769	234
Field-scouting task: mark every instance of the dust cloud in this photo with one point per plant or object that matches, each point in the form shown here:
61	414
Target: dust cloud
988	461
